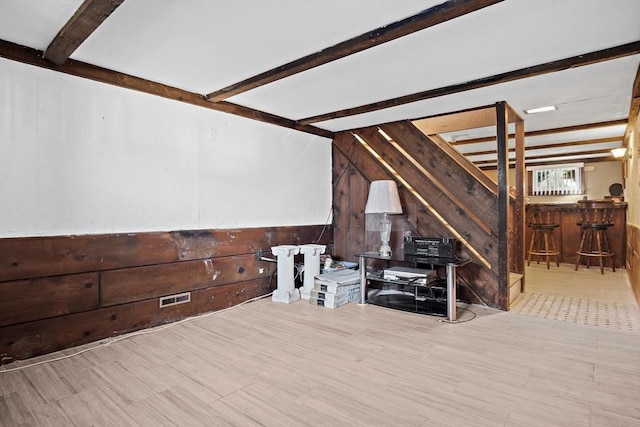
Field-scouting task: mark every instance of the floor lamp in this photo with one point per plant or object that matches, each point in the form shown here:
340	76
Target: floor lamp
384	199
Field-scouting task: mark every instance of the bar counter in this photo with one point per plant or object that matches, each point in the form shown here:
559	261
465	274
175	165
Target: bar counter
567	236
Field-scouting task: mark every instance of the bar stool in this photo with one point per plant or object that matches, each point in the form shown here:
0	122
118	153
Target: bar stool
542	219
595	218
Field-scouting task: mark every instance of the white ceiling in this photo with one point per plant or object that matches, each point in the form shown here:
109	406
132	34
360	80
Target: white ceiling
204	45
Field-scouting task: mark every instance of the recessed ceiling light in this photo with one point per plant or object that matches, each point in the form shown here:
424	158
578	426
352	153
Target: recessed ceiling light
541	109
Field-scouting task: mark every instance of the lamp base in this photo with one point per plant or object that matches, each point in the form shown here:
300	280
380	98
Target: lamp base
385	234
385	250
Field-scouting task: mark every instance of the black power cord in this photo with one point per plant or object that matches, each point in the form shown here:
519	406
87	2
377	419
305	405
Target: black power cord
324	228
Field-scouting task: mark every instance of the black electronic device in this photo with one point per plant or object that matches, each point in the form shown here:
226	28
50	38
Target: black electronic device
429	247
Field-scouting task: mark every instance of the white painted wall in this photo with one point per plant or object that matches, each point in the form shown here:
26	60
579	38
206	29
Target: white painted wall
80	157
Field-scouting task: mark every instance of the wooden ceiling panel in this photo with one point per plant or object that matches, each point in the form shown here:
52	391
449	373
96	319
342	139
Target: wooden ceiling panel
464	120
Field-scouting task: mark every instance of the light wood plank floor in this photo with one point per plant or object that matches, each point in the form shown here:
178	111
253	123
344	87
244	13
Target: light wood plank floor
268	364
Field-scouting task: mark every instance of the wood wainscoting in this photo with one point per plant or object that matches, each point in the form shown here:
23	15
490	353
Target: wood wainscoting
567	235
633	259
63	291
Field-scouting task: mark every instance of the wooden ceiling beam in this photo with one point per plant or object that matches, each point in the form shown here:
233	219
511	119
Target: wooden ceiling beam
34	57
522	73
633	108
530	157
540	161
541	132
557	145
78	28
578	153
427	18
487	166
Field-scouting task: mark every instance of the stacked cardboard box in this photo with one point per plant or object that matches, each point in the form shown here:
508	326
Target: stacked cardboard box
336	288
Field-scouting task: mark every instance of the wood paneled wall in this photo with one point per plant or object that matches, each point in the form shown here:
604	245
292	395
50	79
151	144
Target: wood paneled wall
633	259
464	202
567	236
63	291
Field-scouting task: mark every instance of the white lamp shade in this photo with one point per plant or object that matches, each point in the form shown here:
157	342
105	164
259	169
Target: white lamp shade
383	198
